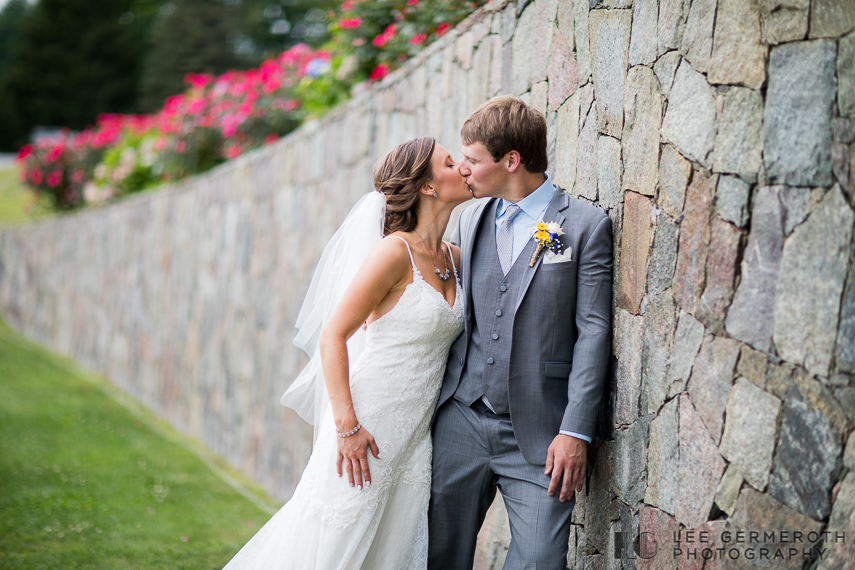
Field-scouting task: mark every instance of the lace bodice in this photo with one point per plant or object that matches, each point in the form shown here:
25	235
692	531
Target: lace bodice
419	328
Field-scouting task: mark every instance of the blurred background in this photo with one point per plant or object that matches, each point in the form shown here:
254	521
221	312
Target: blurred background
63	62
101	99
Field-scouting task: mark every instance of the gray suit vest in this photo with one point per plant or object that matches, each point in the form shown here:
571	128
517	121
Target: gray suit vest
494	298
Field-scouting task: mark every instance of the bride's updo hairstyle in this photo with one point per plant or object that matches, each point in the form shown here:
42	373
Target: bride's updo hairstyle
399	176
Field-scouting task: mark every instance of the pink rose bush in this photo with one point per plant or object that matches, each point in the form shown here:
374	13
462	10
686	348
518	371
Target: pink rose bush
381	34
220	117
216	119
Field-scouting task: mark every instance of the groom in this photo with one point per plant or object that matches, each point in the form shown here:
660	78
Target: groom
524	381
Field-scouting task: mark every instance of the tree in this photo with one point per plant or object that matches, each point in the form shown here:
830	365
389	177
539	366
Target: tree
275	26
10	19
63	62
189	36
213	36
12	131
75	59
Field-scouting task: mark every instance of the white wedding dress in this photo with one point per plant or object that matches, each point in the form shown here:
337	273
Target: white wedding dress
328	525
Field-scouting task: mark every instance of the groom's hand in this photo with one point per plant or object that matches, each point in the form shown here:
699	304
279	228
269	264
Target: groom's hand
565	462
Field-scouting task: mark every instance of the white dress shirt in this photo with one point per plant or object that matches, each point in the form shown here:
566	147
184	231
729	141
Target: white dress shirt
532	209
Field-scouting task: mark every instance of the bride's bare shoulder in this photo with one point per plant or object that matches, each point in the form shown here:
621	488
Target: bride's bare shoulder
397	242
392	253
389	262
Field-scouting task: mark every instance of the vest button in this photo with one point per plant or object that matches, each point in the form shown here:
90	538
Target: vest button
495	336
503	288
490	360
499	313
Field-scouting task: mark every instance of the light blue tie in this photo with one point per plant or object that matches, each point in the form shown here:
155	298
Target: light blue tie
505	238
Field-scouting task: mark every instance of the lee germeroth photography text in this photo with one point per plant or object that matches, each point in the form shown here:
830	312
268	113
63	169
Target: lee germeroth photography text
730	544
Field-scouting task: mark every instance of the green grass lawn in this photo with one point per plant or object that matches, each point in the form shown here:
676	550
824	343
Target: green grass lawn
86	482
16	202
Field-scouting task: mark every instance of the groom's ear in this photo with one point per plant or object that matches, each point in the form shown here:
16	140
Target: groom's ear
514	161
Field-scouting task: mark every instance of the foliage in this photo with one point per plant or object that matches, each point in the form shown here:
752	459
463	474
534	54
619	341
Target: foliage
222	116
17	203
88	484
46	84
10	19
383	33
188	36
217	118
60	167
274	26
12	130
192	36
371	38
131	165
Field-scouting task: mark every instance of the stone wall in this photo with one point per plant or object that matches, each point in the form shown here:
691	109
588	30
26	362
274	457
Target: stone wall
719	135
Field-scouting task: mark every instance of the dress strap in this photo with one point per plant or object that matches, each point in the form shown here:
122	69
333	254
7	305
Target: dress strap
451	255
410	251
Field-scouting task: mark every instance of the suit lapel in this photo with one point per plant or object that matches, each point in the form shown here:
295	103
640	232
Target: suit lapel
468	235
552	214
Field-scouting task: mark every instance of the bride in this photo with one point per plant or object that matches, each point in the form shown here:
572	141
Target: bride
362	501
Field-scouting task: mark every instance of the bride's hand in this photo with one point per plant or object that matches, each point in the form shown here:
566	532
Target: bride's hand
353	454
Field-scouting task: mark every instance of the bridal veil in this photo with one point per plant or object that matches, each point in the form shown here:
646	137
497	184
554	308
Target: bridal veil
361	230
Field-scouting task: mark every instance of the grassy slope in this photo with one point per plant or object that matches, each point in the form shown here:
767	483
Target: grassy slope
86	483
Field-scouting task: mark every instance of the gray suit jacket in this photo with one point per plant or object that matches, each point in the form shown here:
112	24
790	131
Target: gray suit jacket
561	327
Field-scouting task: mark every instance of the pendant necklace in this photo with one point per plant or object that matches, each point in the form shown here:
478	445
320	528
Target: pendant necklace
440	274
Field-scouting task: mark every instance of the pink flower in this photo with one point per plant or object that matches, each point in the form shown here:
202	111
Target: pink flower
54	154
245	108
233	152
77	176
25	151
36	176
197	80
441	29
230	129
387	35
412	2
418	39
347	5
196	106
379	72
54	178
180	147
271	138
173	103
23	174
349	23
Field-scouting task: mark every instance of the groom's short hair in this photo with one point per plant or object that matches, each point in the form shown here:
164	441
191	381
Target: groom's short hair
506	123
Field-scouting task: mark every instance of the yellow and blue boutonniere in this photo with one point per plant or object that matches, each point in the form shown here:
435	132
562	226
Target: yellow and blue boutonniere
546	235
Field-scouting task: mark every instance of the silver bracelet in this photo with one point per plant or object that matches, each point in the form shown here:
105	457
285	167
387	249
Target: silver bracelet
351	432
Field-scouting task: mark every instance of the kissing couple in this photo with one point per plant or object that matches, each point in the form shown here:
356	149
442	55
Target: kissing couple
481	366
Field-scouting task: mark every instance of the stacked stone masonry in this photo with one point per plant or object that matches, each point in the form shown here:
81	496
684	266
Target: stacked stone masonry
719	135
